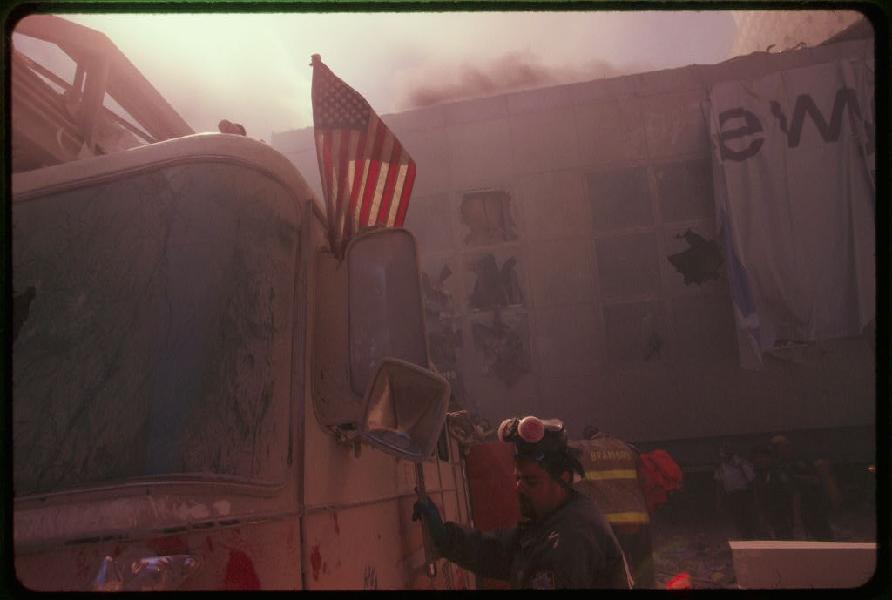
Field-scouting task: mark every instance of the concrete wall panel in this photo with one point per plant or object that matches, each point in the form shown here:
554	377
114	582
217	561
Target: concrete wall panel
578	400
833	381
628	265
611	89
430	149
684	189
717	397
429	118
636	332
610	131
480	154
561	272
543	141
704	327
675	125
552	99
475	110
429	218
670	81
553	205
620	198
642	403
569	341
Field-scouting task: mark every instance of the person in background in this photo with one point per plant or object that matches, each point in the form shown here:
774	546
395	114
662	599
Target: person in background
734	478
761	457
562	540
779	492
810	494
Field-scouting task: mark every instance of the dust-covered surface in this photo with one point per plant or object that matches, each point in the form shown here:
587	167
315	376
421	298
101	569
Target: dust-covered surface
706	556
158	339
691	536
385	311
590	188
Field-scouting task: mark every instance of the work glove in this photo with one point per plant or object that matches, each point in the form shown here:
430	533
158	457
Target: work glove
427	511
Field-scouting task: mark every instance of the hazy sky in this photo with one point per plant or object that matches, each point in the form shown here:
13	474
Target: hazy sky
254	68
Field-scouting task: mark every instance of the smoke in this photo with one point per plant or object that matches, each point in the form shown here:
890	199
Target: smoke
511	72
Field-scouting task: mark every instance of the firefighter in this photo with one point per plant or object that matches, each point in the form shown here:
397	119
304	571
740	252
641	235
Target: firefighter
612	480
562	540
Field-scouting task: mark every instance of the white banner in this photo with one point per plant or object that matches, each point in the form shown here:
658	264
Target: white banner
793	158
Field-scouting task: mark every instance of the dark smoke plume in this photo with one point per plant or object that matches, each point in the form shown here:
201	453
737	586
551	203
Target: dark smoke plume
512	72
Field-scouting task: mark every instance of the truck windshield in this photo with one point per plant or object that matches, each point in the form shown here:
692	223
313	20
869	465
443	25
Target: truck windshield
153	329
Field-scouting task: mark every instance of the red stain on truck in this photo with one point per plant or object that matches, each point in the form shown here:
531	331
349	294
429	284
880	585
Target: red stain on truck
316	561
240	573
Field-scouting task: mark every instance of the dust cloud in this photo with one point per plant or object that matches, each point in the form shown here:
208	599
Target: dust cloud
511	72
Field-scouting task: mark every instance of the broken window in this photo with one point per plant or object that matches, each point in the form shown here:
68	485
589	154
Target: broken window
494	285
444	337
701	262
435	284
487	215
444	334
503	343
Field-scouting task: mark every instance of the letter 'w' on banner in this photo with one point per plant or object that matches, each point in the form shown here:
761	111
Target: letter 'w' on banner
367	175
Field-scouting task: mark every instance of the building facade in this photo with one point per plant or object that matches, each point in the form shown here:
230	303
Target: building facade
549	225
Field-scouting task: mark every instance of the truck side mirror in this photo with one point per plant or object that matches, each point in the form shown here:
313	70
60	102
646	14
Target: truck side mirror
405	410
367	307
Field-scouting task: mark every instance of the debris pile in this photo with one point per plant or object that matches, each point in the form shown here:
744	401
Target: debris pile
706	559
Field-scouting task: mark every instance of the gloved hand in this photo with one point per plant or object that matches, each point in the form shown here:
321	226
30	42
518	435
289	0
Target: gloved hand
427	511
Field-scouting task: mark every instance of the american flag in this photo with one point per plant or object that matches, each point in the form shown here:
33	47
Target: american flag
367	175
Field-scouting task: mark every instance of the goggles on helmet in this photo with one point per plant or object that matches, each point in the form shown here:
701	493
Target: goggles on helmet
543	441
527	429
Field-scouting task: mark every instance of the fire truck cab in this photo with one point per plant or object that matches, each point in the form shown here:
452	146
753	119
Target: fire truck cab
199	400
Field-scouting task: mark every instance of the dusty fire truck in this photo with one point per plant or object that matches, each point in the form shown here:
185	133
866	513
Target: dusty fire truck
203	396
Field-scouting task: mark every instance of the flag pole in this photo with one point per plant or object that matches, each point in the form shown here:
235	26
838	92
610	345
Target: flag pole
316	61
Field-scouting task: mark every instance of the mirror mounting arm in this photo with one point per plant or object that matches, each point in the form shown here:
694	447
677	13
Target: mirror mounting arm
347	436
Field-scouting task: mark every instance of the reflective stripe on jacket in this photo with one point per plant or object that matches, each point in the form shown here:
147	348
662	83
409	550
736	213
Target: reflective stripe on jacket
611	479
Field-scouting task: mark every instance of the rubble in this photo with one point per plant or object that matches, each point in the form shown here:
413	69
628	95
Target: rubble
706	556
